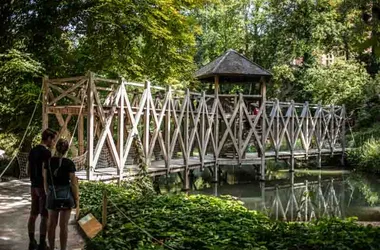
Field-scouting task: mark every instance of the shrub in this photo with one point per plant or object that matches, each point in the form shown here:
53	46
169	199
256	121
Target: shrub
366	157
206	222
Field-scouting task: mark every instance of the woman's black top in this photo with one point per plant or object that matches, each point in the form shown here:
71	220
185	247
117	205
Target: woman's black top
61	174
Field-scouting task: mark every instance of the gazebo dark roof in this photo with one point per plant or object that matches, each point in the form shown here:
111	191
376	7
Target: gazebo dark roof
232	64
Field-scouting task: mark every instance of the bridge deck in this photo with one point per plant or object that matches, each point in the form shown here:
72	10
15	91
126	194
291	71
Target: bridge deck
158	168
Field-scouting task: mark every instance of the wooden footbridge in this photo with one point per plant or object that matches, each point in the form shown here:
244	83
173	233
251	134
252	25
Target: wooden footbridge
178	131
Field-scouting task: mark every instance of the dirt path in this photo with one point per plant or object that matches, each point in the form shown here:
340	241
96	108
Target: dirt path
14	212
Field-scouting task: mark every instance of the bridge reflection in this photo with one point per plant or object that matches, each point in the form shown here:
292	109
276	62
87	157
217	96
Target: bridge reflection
296	200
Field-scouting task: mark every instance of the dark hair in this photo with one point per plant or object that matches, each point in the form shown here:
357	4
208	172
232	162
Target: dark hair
48	133
62	146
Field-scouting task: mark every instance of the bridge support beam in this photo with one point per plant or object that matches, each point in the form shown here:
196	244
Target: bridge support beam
215	178
292	163
319	160
186	180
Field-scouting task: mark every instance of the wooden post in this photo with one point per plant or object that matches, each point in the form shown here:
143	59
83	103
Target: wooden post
262	189
277	128
216	154
121	127
332	134
146	127
293	138
235	124
343	135
45	103
263	90
306	200
263	128
90	126
292	194
319	160
240	138
263	142
167	130
216	123
319	135
306	133
216	173
186	184
104	208
81	134
202	152
276	201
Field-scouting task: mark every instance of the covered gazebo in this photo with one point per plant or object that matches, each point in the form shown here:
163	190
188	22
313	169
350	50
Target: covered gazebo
234	68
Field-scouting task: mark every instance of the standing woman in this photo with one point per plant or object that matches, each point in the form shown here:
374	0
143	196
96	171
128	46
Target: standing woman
62	192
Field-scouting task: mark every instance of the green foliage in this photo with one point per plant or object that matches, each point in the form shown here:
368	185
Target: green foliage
369	113
18	92
366	157
341	83
132	39
358	138
284	80
205	222
8	142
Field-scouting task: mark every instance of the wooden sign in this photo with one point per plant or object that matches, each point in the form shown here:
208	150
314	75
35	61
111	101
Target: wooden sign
90	225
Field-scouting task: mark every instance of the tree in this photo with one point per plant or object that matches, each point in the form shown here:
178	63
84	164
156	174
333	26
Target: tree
341	83
139	39
18	91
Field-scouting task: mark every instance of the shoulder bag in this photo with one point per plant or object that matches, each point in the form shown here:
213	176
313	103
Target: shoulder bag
62	196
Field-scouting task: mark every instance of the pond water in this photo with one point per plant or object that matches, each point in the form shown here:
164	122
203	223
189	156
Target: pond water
299	196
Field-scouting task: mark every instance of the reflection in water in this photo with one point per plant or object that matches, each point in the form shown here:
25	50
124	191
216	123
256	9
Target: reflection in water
303	195
302	201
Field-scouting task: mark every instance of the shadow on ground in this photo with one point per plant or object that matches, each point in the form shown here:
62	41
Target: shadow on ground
14	212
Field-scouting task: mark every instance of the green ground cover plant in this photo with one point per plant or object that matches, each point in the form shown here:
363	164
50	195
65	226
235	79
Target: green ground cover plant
206	222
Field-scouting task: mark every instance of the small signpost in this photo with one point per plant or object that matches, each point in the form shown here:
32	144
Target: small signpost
90	225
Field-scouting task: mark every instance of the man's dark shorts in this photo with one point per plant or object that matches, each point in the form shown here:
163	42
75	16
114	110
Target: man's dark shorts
38	202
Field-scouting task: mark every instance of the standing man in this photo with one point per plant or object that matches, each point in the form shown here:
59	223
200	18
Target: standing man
38	157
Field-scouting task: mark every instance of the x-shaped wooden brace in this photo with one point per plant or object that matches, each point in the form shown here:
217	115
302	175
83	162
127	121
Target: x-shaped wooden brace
106	132
228	128
313	131
338	121
177	124
284	131
253	125
134	121
298	124
68	91
194	132
210	122
158	122
326	128
269	124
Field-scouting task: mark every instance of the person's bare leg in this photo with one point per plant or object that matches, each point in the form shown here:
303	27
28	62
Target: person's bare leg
31	227
32	223
34	211
52	224
44	218
63	227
